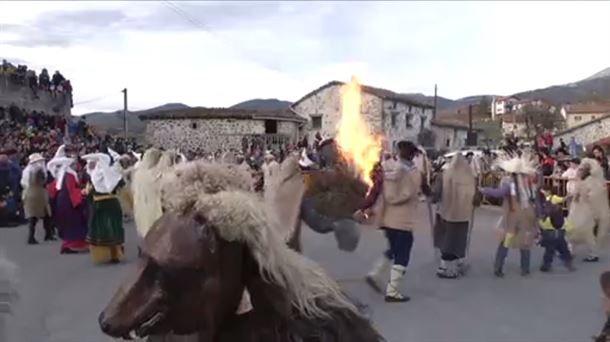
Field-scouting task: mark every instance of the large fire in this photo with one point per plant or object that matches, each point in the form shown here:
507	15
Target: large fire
354	139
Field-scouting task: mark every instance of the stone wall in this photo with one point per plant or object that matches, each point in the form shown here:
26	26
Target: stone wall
209	134
23	97
449	138
377	113
402	121
587	134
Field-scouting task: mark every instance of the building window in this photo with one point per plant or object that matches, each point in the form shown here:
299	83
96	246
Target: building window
577	118
270	127
316	122
410	109
448	142
408	119
393	104
393	119
193	125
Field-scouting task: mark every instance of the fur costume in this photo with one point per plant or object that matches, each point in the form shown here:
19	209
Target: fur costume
221	193
589	208
288	190
146	205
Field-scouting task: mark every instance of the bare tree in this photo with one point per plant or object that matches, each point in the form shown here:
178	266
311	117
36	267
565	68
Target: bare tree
539	119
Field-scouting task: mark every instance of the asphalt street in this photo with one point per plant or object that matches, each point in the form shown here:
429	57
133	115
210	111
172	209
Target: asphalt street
62	295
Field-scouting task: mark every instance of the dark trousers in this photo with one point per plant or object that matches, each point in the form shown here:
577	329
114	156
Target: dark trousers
400	243
46	223
554	241
502	253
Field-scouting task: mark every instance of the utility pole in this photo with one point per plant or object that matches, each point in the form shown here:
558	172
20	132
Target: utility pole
470	118
125	113
435	96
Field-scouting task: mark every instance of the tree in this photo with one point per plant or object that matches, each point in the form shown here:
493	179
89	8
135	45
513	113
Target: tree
540	119
491	130
483	109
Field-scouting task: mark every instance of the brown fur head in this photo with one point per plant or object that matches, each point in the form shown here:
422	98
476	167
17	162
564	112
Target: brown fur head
214	239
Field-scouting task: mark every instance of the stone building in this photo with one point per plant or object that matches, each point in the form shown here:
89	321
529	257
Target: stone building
211	129
22	96
395	116
450	133
580	113
593	132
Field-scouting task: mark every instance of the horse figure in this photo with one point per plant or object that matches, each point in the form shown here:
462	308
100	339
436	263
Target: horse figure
215	239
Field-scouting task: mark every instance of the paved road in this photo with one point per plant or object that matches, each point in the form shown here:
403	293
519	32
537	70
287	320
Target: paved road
61	295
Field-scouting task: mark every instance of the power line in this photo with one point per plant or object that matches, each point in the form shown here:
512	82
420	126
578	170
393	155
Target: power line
96	98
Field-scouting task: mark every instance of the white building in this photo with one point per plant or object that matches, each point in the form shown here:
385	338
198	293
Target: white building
501	105
395	116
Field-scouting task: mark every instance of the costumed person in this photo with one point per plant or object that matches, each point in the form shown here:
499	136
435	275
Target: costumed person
36	198
399	195
519	222
552	225
455	192
146	207
69	206
589	212
270	168
125	166
106	234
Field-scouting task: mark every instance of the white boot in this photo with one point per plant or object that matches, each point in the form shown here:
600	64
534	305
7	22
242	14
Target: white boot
451	272
380	268
392	293
442	267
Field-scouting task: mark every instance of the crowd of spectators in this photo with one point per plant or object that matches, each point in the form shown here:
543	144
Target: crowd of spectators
23	133
20	75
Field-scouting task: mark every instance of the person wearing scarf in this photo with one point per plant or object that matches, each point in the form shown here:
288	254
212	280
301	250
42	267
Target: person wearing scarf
106	234
520	209
68	205
36	198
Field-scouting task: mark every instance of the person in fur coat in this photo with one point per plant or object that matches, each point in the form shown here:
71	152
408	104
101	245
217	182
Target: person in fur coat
145	207
589	213
395	208
455	192
519	219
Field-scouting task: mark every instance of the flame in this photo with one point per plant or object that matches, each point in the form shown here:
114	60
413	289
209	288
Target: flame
355	141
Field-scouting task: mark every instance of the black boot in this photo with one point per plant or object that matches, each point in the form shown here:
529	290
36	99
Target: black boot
32	231
501	254
48	229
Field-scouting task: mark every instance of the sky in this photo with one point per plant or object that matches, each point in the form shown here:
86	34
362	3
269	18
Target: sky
216	54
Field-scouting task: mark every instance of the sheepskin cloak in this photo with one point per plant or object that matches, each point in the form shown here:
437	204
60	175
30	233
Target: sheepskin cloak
590	206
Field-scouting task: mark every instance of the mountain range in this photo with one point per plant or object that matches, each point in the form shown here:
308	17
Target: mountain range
593	88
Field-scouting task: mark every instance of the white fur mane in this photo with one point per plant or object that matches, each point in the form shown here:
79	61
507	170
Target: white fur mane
222	194
524	164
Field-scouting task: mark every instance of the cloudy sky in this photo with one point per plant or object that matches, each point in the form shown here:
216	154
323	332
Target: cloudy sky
218	54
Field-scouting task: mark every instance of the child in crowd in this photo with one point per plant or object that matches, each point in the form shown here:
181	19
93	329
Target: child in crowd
552	225
604	281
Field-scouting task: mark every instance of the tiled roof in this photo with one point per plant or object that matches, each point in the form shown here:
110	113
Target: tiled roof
224	113
379	92
449	122
588	108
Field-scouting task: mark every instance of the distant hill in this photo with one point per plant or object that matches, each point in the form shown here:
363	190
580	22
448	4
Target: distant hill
594	88
112	122
262	104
